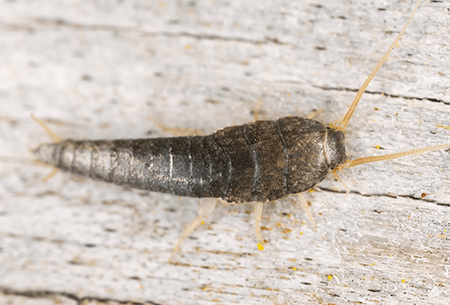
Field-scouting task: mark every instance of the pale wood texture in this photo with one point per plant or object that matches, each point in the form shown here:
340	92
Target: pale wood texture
108	69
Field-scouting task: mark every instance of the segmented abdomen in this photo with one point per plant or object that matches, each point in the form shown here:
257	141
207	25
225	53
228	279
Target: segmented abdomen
261	161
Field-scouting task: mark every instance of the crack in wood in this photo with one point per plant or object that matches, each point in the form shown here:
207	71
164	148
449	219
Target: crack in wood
381	195
47	294
434	100
116	29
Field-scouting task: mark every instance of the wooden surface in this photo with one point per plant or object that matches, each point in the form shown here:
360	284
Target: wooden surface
104	69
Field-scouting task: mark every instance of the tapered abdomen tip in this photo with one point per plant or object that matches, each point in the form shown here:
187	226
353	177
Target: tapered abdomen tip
46	153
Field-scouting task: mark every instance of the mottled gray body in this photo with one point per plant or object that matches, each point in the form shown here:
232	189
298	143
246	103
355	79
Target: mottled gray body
260	161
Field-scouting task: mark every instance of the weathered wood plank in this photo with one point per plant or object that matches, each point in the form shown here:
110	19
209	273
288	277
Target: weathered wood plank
106	70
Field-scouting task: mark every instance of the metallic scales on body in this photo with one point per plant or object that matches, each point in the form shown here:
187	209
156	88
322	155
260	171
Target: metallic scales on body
260	161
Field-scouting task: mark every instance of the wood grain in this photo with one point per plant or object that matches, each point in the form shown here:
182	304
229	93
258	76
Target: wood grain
95	70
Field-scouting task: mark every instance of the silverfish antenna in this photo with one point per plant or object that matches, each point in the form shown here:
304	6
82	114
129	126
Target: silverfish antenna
343	125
